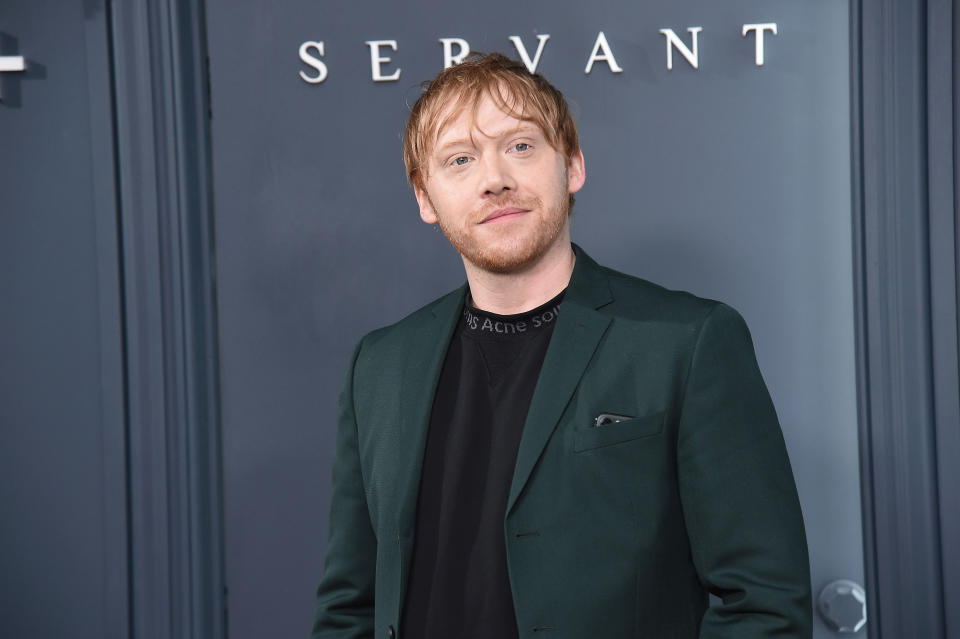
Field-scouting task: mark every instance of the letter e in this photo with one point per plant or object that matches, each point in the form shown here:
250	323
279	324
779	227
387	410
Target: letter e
377	60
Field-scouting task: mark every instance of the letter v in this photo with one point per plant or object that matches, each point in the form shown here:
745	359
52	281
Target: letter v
522	50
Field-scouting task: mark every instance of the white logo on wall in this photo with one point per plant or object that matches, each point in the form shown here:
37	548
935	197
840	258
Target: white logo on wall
383	68
11	63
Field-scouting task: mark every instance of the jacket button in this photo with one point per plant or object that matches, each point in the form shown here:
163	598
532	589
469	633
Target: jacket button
390	633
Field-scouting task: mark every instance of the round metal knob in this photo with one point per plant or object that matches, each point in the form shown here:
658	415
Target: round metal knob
843	606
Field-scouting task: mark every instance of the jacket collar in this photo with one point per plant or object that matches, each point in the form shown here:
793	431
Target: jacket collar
588	284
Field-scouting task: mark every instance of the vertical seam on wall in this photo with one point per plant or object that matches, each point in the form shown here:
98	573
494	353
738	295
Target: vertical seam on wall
861	320
122	296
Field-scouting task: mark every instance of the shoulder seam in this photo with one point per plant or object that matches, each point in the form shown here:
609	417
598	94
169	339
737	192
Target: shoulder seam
693	353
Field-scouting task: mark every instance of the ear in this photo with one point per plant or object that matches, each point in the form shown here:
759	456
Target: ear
576	172
427	213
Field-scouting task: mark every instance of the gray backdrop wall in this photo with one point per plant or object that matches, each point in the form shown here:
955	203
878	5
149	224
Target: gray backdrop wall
730	180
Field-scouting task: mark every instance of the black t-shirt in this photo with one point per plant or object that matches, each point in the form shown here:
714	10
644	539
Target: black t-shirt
458	585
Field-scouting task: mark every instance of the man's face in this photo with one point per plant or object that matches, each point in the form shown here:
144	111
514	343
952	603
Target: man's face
498	189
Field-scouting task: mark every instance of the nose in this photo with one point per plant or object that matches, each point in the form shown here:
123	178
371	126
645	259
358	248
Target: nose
496	176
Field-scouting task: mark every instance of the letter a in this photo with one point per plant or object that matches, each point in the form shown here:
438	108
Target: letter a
673	40
607	55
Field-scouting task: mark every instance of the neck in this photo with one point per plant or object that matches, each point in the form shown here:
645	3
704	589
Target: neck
527	288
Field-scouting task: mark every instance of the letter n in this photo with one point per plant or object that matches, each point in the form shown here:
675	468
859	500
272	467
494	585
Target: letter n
674	42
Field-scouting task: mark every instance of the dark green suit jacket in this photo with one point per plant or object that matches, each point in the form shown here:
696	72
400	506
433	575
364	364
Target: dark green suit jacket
613	531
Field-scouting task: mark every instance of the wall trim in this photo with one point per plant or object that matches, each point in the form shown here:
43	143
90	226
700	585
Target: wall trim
904	220
942	103
170	320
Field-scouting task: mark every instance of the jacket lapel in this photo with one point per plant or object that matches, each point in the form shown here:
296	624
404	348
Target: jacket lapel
425	352
576	335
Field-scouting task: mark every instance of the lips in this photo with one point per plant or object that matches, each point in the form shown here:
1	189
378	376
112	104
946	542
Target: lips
504	214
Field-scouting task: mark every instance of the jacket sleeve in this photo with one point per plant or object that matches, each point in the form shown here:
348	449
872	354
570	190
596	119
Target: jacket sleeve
739	499
345	596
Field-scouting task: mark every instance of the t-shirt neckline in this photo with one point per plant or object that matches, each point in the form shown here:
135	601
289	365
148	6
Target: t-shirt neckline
479	323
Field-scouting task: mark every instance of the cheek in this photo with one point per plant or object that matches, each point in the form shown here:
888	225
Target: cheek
453	198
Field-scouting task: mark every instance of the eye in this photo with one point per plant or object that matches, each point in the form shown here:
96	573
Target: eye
460	161
520	147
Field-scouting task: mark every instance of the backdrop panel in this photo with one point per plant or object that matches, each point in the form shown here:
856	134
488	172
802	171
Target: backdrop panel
730	180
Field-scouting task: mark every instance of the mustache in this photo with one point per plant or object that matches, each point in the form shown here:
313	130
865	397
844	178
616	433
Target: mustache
509	201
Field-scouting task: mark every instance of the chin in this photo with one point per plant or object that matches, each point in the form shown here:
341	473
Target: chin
501	264
506	259
510	251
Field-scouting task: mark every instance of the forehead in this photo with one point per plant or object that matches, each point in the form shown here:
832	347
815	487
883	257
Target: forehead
490	118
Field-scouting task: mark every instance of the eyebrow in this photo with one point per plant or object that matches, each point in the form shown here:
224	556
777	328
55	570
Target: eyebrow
468	141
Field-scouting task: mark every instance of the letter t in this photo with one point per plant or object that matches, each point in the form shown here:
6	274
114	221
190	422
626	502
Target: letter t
759	29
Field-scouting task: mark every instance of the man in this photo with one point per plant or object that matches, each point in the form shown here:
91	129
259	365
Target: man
555	449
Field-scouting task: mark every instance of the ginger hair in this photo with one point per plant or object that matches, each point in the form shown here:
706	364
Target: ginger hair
519	93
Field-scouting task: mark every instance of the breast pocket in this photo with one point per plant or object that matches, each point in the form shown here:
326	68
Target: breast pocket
592	437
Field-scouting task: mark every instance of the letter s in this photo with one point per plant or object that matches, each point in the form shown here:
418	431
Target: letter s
314	62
